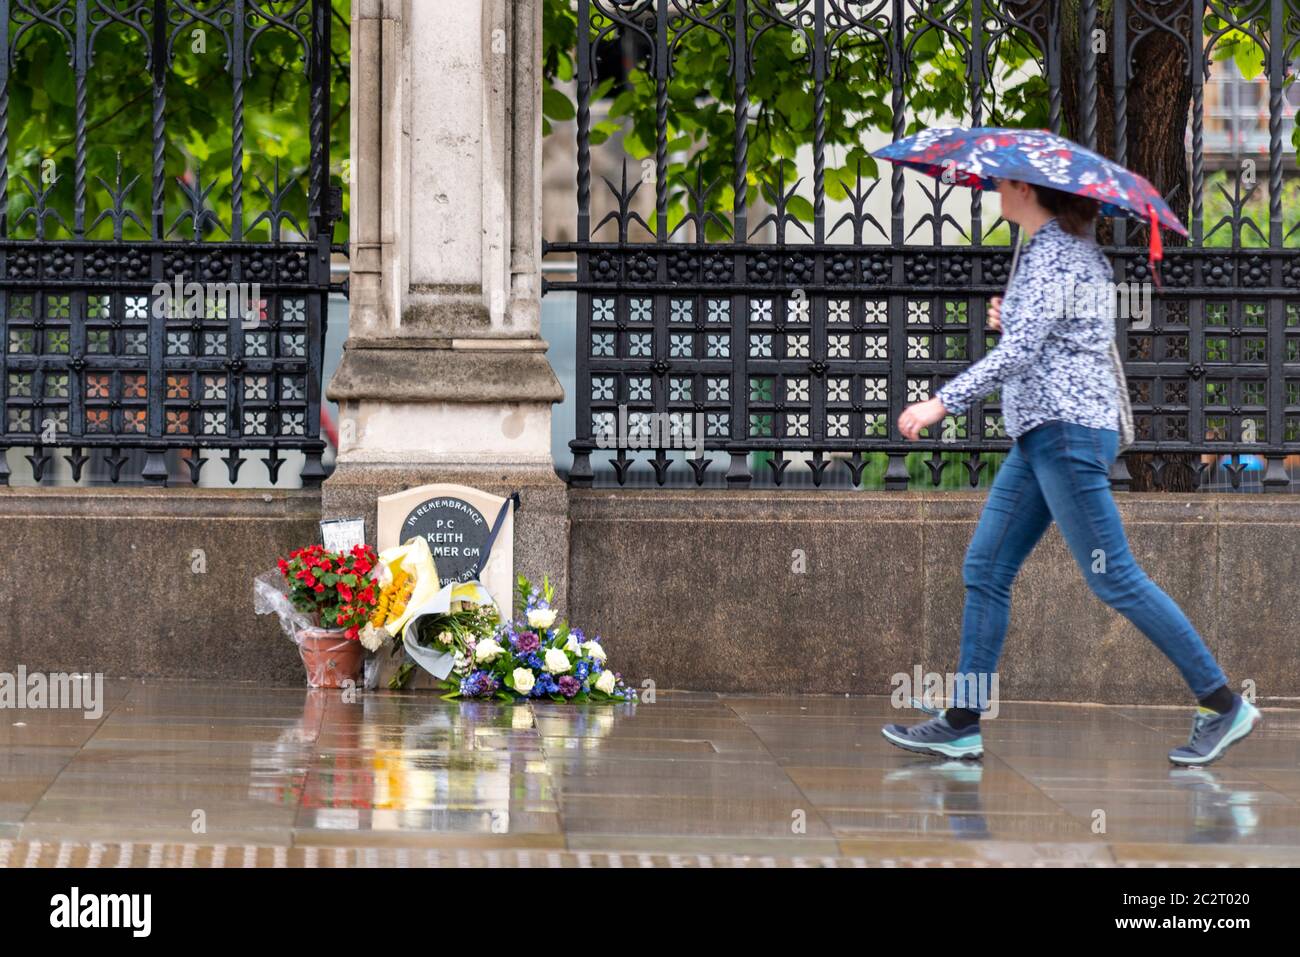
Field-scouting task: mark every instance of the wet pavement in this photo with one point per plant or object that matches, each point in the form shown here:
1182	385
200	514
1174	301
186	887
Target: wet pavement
221	775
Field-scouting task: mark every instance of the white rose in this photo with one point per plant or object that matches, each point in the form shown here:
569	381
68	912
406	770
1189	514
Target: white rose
572	645
594	651
605	683
372	637
557	662
487	650
541	618
524	680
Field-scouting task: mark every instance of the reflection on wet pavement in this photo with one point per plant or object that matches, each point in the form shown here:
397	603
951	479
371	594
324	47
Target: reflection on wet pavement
177	773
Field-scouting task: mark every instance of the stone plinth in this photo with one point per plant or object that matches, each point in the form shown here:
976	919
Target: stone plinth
444	376
148	582
703	590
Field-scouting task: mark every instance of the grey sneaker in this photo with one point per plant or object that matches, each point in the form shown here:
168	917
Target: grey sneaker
937	737
1212	734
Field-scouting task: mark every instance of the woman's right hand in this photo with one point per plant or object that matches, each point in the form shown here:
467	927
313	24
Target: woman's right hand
995	313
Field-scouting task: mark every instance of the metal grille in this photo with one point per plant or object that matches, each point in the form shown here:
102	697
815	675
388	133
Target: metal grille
799	340
151	330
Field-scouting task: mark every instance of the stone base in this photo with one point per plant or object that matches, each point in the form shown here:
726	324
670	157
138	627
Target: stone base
541	522
148	582
836	592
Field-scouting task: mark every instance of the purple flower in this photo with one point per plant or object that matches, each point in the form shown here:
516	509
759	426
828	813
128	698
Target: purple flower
527	642
569	686
479	684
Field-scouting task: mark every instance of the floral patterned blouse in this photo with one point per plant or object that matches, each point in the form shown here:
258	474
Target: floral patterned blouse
1053	362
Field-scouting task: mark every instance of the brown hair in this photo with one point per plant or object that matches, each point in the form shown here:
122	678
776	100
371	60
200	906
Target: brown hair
1076	214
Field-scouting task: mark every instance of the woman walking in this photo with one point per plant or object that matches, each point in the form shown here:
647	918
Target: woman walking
1060	400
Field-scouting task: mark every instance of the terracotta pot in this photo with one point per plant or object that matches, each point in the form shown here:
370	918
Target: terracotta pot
329	657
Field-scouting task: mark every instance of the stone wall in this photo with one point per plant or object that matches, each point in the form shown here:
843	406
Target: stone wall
699	590
693	589
147	582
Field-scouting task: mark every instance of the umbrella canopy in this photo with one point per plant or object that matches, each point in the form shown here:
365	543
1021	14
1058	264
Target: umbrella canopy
980	156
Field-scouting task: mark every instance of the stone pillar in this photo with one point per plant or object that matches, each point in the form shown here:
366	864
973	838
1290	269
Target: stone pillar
444	375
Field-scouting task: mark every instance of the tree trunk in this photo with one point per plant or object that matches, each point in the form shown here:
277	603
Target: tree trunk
1159	96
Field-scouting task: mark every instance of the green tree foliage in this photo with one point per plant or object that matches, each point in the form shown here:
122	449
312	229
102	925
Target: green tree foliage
701	96
701	104
199	125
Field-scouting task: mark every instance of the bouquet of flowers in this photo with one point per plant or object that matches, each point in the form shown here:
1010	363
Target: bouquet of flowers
406	580
341	604
333	588
323	599
536	655
471	617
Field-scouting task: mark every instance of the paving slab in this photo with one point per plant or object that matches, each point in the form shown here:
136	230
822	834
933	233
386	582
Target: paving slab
204	774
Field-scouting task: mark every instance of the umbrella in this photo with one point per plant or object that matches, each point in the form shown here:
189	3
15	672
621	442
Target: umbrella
979	157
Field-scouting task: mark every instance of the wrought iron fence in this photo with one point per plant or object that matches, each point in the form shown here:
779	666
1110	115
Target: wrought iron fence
805	349
142	328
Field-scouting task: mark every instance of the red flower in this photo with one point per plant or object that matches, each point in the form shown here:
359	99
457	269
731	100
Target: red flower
345	591
319	588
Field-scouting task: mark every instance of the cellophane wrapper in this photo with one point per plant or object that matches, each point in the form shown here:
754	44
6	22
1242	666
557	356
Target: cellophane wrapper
328	658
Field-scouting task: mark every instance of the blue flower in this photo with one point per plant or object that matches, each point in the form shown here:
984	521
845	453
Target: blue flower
478	684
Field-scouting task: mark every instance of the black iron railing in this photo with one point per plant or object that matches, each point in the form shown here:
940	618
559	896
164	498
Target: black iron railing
157	328
803	337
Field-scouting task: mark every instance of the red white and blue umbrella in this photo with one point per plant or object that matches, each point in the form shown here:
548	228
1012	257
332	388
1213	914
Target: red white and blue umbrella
979	157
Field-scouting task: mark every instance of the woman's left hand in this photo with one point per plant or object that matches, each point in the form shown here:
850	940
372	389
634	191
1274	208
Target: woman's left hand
917	417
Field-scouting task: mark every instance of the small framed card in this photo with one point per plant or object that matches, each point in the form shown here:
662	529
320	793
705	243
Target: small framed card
342	534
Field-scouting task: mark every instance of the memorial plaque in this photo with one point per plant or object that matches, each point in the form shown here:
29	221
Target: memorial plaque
457	534
456	521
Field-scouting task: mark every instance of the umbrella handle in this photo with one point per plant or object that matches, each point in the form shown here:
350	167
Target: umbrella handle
1015	257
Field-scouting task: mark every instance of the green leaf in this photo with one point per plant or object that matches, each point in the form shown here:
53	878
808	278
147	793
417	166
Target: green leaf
801	208
603	130
1249	58
557	105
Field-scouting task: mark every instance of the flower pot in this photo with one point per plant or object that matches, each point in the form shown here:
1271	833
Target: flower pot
329	657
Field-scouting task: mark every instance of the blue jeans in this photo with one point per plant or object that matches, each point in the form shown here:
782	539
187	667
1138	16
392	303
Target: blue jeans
1061	471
